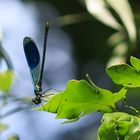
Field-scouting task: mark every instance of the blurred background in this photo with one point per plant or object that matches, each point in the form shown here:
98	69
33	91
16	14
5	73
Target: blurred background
85	36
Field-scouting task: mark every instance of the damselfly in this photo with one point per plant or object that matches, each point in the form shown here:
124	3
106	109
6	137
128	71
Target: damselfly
33	60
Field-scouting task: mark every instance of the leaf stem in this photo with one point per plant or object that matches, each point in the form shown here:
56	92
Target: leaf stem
131	108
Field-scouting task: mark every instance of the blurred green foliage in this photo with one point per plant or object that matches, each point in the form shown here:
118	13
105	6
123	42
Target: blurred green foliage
6	79
13	137
3	127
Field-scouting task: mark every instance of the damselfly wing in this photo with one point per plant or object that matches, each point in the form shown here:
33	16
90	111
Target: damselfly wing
33	59
36	68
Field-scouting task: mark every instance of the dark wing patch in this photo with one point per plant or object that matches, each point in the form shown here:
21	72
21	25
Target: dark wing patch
31	52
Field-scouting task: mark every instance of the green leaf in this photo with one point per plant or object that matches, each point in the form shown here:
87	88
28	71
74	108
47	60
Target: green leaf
5	80
124	75
120	126
135	135
79	99
3	127
13	137
135	62
107	131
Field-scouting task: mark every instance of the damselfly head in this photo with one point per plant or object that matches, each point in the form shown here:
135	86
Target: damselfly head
36	100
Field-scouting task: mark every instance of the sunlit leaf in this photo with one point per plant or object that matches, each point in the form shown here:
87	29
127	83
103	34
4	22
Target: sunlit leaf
5	80
98	9
123	9
118	125
79	99
135	62
124	75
